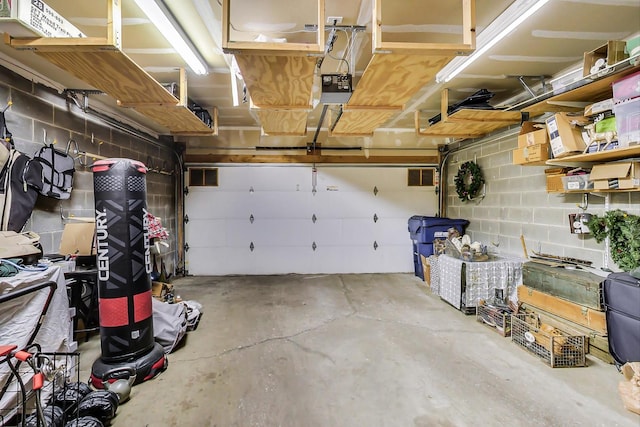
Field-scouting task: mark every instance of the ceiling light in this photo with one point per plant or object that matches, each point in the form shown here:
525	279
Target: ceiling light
164	21
509	20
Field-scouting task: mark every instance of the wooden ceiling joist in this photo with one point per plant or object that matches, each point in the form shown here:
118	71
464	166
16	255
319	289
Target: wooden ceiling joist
310	159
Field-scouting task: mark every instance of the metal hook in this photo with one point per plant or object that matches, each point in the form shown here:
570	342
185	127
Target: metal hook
585	202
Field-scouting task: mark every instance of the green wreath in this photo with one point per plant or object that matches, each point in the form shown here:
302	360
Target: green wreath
623	230
468	181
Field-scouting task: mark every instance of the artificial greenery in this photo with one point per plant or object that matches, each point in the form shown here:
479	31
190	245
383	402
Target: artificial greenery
623	230
468	181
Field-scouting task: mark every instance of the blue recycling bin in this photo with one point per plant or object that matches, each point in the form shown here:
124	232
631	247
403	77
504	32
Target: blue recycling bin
423	230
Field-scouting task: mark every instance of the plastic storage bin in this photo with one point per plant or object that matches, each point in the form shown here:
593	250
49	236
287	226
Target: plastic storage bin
423	230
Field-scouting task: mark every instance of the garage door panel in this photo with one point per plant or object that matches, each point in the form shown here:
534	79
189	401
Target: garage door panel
348	179
357	232
220	232
280	204
239	232
400	202
281	259
276	232
219	261
270	178
396	258
391	231
235	179
327	232
208	233
199	201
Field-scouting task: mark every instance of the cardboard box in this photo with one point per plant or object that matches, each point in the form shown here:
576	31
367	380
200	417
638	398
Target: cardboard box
28	18
565	134
160	290
530	134
426	269
612	53
78	238
616	175
554	183
532	155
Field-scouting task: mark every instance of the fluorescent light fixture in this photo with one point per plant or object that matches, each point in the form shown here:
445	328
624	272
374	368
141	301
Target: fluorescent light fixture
234	89
160	16
509	20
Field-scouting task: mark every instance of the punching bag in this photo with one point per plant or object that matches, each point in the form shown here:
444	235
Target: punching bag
123	259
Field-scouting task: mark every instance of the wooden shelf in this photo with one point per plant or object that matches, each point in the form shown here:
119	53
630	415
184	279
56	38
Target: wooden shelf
589	92
102	64
179	119
467	123
600	157
630	190
470	123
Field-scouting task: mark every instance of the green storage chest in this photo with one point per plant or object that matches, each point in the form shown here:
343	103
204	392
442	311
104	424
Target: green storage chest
578	286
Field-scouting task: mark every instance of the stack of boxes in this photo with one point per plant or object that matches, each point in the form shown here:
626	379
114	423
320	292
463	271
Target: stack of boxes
533	145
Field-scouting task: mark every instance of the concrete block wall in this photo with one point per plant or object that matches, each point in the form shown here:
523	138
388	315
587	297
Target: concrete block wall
37	111
516	203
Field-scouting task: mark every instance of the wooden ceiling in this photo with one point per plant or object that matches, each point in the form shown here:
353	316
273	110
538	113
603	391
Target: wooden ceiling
546	44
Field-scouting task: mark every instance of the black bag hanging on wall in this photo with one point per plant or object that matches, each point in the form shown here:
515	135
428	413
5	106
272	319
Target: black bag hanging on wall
58	168
20	182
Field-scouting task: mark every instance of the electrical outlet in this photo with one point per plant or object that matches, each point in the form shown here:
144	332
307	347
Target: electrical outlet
333	20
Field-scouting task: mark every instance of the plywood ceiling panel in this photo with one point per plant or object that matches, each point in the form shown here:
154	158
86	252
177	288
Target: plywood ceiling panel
116	75
283	122
390	80
360	122
278	81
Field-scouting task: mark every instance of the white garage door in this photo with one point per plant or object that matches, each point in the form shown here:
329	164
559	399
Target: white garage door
268	220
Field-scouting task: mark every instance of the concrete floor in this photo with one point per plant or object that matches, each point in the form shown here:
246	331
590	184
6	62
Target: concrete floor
355	350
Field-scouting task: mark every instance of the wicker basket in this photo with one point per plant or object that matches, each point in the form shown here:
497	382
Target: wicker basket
557	348
496	318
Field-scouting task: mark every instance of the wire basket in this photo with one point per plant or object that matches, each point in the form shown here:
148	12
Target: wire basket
497	318
19	402
555	347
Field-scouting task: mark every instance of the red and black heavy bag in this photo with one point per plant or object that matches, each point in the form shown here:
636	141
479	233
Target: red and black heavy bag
622	305
123	259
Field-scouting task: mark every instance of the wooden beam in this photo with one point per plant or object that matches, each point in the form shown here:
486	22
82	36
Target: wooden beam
469	23
114	23
184	98
444	105
308	159
466	46
269	48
